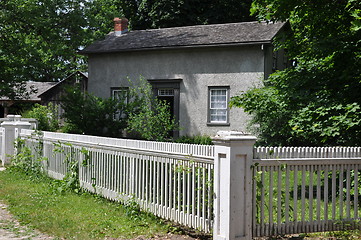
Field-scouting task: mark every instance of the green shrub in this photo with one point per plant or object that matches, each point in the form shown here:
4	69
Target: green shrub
153	121
141	114
202	140
85	113
46	116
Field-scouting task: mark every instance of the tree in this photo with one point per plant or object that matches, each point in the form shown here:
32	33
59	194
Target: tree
316	102
39	40
147	14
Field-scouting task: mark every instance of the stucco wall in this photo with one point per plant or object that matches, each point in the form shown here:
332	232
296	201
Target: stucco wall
240	68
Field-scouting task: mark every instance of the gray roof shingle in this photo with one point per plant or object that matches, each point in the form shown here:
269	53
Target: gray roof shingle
191	36
34	90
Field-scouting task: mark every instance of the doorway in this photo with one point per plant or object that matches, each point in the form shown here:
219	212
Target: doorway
168	91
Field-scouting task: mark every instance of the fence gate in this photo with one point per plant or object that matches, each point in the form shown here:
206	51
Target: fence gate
300	190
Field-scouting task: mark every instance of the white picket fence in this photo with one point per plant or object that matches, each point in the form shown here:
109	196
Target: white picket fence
1	142
231	188
300	190
172	181
306	152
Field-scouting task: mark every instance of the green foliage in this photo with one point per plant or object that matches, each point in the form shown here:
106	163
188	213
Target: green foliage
39	40
269	120
169	13
154	120
71	156
337	125
85	113
202	140
141	114
46	116
317	101
25	160
28	159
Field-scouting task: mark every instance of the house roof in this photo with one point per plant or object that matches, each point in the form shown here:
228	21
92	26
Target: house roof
84	74
34	90
191	36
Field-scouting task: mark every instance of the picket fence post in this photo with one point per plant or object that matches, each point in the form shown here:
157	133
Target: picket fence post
11	128
233	185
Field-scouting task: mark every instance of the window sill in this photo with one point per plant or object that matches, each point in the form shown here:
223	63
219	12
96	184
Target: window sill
217	124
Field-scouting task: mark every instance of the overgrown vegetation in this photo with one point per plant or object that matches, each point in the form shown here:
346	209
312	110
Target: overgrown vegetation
202	140
153	121
87	114
47	116
138	114
316	102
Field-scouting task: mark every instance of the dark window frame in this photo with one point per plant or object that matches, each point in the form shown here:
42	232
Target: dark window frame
119	116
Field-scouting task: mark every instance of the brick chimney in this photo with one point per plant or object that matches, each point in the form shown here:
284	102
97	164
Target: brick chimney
120	26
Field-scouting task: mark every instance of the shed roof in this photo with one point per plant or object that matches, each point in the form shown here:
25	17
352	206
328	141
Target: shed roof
83	74
33	90
191	36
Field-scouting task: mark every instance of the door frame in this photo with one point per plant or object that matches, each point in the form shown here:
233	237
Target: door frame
172	84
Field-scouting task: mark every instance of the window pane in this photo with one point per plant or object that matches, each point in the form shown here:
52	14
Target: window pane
165	92
222	105
218	105
122	96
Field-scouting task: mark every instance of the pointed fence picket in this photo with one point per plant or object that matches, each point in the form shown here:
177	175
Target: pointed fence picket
172	181
294	189
306	189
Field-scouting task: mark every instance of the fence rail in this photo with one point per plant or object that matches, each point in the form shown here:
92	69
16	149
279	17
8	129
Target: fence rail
172	185
306	152
284	190
202	151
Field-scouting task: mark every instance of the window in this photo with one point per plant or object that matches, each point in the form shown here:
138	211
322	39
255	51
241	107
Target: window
218	105
120	94
168	92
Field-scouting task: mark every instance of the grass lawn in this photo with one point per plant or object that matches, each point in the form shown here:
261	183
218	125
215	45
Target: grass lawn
36	201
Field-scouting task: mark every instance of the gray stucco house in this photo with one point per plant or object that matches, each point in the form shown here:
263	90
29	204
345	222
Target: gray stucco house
195	68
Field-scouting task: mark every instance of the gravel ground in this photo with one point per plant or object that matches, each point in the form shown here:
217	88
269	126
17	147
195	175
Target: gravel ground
10	229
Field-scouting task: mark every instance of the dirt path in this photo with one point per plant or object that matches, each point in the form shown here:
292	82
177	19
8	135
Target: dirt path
10	229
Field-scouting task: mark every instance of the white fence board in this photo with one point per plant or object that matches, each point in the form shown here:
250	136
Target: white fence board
173	181
295	189
1	141
306	152
306	183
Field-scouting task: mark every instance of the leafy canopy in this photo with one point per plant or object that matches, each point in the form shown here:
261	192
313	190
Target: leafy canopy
39	39
316	102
